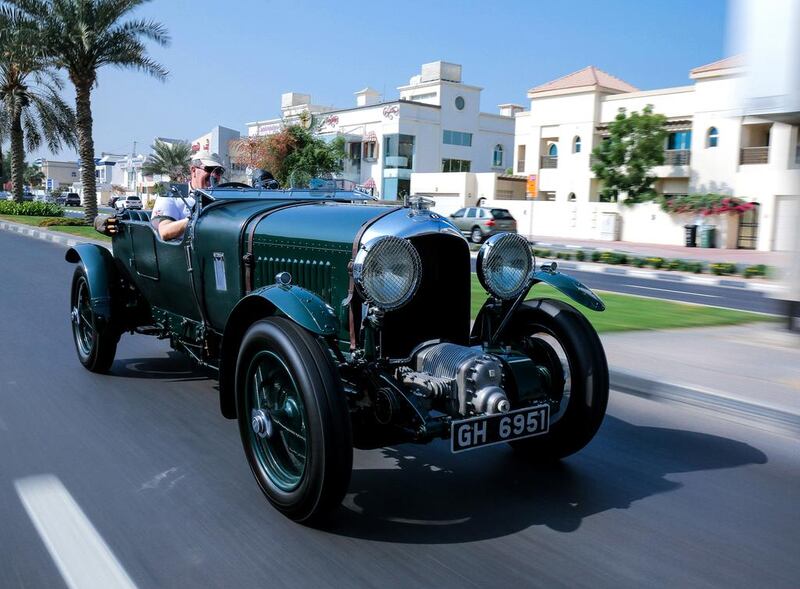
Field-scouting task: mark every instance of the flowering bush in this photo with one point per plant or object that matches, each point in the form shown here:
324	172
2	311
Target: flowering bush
705	204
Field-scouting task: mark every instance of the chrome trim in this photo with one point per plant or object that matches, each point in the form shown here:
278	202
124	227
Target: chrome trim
360	261
408	223
483	254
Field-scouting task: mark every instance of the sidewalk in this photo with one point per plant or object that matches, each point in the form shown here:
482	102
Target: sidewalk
746	370
711	255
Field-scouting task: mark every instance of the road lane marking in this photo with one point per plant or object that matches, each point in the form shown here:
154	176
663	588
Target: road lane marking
683	292
80	553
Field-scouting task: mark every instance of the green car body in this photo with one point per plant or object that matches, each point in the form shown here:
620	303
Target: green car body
251	256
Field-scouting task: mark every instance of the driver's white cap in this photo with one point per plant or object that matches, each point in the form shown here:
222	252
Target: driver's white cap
207	161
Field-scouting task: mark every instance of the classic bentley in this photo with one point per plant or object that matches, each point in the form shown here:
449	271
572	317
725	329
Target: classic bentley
334	321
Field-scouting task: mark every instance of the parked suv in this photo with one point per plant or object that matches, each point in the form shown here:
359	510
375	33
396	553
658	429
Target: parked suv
128	202
71	199
478	223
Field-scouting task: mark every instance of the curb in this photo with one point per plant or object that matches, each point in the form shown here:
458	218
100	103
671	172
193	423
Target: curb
771	417
664	276
47	235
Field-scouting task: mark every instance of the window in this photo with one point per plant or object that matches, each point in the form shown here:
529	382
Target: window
501	214
520	159
371	150
472	213
576	144
460	102
457	138
497	156
398	151
571	197
713	137
451	165
354	151
552	151
679	140
74	174
459	213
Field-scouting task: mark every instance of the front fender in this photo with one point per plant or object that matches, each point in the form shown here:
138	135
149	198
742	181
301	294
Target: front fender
571	287
98	264
298	304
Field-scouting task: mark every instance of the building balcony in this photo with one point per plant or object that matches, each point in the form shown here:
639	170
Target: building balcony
754	155
548	161
677	157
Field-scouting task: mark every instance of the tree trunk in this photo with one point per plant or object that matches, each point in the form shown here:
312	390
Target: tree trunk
83	112
17	155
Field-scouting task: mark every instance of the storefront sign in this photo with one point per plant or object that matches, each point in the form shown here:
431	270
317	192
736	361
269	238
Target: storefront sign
390	112
269	129
329	122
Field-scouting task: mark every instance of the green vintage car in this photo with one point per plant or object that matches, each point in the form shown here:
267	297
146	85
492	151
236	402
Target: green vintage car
334	321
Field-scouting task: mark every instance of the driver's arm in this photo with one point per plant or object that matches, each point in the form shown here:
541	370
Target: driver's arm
172	229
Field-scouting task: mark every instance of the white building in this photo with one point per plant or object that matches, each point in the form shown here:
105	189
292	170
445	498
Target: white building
58	173
436	125
712	146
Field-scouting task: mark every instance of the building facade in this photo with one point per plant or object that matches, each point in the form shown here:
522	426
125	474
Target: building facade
58	173
218	140
435	126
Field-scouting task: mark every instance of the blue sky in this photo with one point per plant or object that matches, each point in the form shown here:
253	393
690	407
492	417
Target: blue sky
231	60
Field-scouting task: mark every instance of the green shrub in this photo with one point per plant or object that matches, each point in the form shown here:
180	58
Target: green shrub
695	267
613	258
656	262
580	255
31	208
596	256
675	265
564	255
638	262
63	221
542	253
723	268
758	270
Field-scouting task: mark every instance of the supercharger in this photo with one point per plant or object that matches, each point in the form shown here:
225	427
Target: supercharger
468	379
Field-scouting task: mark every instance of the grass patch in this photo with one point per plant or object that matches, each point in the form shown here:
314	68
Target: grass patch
51	223
632	313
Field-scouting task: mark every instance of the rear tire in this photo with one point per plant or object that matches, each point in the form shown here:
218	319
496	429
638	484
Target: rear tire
302	454
95	344
585	373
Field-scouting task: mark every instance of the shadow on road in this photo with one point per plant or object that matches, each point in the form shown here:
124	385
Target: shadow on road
173	367
432	496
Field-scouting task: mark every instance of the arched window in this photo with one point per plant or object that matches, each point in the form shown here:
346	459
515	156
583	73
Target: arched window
712	138
497	156
552	151
576	144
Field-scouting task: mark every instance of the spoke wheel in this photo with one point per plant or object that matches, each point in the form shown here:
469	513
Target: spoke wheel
568	352
278	431
95	341
293	419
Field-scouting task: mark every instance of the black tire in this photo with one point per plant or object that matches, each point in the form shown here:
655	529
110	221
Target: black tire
577	421
96	344
476	235
328	445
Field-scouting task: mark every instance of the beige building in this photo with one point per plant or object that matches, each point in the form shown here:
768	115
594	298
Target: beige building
58	173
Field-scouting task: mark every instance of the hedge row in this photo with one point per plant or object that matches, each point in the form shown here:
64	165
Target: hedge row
658	263
31	208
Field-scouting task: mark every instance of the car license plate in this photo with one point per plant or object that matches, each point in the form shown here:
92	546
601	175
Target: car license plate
487	430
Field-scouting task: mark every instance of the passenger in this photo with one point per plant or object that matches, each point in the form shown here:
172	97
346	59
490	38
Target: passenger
171	214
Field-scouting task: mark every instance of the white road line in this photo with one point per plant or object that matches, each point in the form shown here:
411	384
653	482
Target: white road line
683	292
83	558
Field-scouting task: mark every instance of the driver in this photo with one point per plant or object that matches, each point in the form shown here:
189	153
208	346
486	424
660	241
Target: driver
171	214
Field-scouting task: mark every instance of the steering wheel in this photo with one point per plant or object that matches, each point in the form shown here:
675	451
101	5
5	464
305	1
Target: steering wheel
232	185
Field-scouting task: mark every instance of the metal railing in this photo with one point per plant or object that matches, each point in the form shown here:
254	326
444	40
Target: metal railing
677	157
754	155
548	161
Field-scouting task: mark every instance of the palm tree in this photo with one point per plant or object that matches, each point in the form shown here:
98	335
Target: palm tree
83	36
34	112
169	159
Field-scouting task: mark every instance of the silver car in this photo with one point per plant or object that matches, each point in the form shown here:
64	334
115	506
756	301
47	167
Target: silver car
478	223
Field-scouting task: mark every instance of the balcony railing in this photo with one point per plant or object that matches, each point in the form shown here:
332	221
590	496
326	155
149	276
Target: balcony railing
548	161
754	155
677	157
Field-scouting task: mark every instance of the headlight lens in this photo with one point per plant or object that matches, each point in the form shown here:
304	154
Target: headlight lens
388	272
505	264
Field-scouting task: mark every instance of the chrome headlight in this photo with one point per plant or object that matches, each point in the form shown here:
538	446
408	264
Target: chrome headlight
505	264
387	271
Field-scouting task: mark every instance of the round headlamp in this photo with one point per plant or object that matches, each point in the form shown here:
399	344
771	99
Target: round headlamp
387	271
505	264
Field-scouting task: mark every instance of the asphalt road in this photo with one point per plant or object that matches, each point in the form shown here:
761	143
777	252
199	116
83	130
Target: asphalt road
142	462
611	279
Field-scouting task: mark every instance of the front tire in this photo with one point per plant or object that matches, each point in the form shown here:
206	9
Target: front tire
559	337
293	419
95	344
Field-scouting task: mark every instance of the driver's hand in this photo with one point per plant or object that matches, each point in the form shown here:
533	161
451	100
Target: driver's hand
106	224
